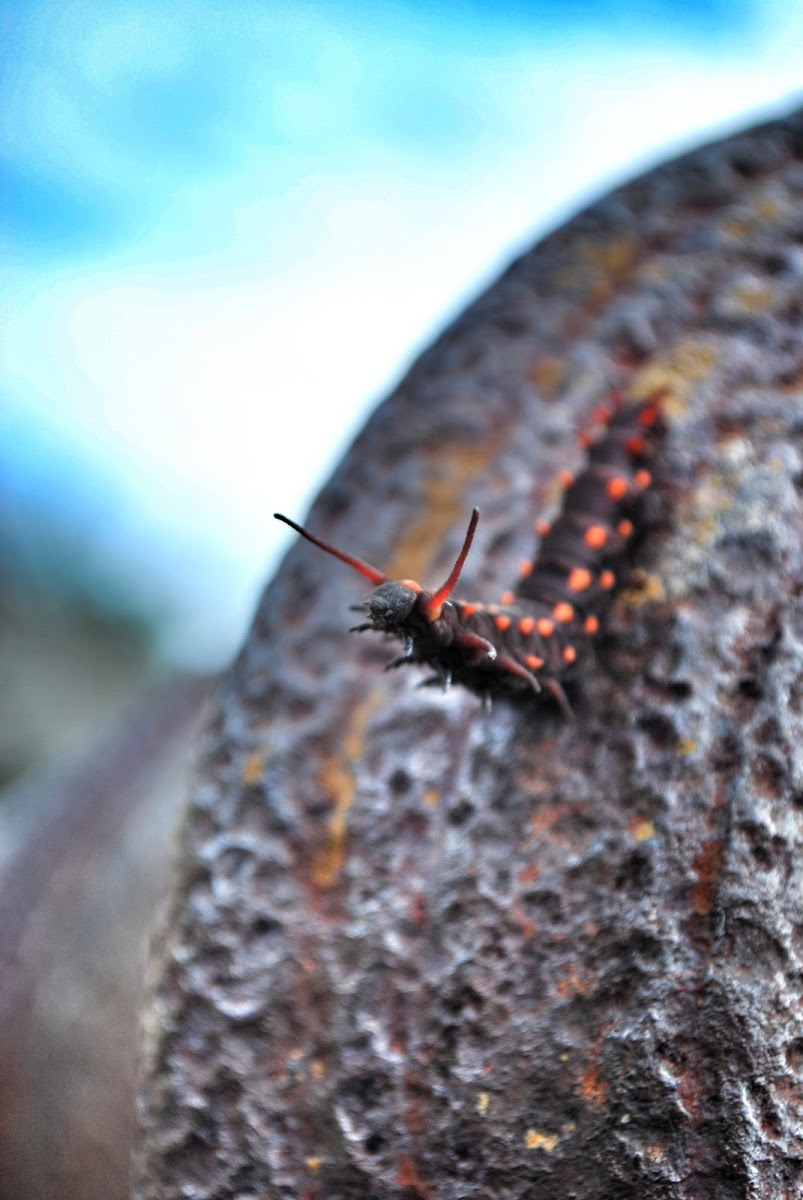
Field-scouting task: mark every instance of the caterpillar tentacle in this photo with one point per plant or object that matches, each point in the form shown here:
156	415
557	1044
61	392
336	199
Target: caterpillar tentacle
536	638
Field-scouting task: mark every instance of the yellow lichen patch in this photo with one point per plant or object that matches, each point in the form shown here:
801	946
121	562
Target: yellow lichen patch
483	1102
643	587
354	737
251	771
314	1163
686	745
596	265
768	209
431	797
547	373
450	471
655	1152
749	297
674	374
615	255
642	831
534	1139
316	1069
738	228
337	780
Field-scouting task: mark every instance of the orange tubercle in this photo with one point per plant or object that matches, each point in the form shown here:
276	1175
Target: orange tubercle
526	625
624	529
595	536
642	479
533	662
591	625
502	623
606	580
545	627
563	613
579	579
616	487
569	654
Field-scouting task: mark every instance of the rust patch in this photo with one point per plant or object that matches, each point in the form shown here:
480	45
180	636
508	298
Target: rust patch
573	984
706	869
593	1088
407	1177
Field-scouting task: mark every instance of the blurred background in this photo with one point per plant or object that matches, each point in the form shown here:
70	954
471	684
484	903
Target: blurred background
226	228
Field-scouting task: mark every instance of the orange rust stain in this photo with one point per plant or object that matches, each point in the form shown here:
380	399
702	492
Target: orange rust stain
407	1176
536	1139
593	1087
450	471
573	984
692	1095
252	768
524	923
337	780
418	910
313	1163
431	797
529	874
706	869
547	816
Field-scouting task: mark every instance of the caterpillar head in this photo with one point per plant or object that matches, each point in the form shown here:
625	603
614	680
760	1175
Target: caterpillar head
398	606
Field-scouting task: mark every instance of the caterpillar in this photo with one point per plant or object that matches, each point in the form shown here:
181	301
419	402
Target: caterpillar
537	636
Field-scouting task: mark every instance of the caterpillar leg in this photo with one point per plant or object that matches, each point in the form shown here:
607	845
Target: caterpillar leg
479	648
402	658
557	693
509	665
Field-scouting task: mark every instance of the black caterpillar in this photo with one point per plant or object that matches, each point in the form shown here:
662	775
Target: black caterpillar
535	638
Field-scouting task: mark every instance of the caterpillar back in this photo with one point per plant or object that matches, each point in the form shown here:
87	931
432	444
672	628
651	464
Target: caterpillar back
537	636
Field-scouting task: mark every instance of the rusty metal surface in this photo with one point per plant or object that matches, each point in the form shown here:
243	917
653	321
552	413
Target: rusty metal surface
417	951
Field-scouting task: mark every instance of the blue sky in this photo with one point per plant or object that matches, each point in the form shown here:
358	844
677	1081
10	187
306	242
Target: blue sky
231	224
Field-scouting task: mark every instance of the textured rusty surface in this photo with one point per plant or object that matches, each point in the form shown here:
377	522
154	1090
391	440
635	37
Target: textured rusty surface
416	951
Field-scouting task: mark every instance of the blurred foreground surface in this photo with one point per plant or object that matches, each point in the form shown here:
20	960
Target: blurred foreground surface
86	856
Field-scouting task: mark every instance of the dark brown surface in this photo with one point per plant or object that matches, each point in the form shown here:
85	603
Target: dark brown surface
416	951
